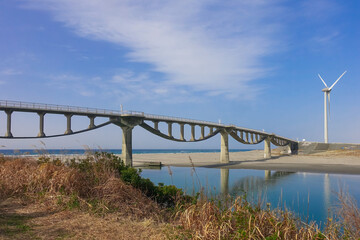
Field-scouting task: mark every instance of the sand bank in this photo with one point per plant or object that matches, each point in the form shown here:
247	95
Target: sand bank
328	162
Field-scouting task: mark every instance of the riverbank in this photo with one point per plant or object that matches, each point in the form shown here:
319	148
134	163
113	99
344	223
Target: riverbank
339	161
342	161
100	197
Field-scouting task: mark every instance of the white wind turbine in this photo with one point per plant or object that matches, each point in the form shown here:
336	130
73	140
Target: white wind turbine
327	91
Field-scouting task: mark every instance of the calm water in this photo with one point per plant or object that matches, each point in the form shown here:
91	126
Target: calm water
312	196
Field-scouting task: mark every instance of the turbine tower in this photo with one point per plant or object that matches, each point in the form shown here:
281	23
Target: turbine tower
327	91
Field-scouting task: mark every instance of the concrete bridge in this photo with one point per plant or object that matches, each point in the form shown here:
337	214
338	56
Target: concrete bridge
127	120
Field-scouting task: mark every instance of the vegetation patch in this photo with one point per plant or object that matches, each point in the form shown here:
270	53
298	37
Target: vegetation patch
100	183
13	224
100	192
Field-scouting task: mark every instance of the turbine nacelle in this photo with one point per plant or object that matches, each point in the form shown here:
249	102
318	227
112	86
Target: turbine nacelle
326	90
333	83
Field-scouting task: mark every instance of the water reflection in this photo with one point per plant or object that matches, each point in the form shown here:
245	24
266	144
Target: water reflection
310	195
327	193
224	181
250	184
267	174
258	187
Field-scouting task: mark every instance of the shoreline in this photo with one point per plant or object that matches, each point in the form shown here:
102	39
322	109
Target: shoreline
315	163
336	162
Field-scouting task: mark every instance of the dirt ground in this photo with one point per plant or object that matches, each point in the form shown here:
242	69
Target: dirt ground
19	220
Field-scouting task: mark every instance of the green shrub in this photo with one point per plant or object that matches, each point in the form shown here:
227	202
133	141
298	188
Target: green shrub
101	165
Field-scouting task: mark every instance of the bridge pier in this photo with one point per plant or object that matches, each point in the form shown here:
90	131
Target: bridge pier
202	132
127	124
182	131
267	147
8	129
224	154
169	129
192	133
156	125
41	130
211	130
126	150
92	122
68	124
288	148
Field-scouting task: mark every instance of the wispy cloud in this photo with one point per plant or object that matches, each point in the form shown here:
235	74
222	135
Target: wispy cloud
214	47
326	38
10	72
127	76
124	86
128	85
75	83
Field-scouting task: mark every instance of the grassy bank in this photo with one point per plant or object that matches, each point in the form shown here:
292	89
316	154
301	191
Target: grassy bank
99	197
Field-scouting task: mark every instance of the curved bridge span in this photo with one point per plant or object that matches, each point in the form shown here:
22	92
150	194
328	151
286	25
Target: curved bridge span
127	120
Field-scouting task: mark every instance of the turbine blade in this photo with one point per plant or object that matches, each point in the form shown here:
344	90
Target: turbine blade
322	80
337	81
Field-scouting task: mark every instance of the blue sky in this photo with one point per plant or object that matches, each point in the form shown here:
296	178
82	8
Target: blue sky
249	63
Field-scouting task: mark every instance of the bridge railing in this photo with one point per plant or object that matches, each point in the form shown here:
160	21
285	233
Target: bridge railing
85	110
132	113
185	120
53	107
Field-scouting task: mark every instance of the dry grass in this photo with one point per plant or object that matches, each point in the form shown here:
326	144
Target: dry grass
128	200
338	153
49	200
349	215
241	221
65	185
49	192
26	176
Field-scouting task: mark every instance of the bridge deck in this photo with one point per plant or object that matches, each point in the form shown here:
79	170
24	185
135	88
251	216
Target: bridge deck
95	112
84	111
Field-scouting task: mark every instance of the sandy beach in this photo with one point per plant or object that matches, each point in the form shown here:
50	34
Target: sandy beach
347	162
337	161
